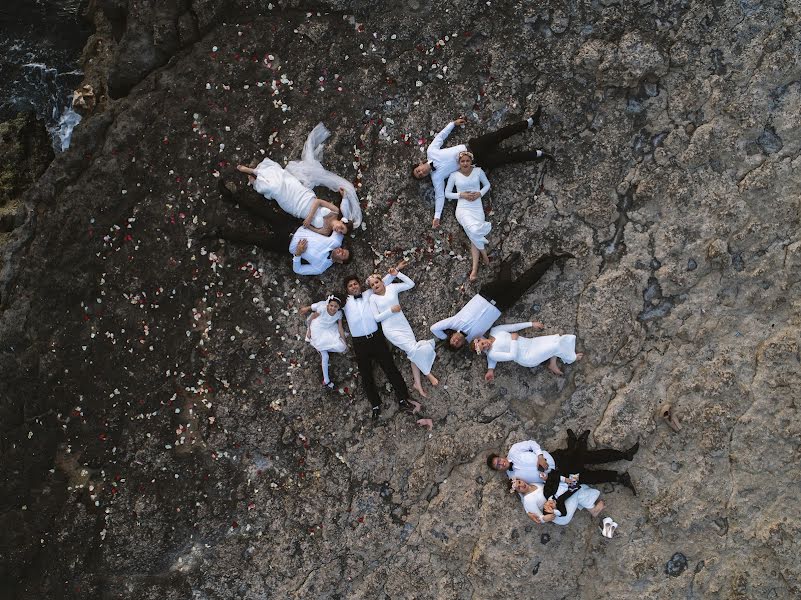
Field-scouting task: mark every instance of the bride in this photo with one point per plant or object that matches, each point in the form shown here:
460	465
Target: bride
504	344
471	184
292	187
558	510
387	311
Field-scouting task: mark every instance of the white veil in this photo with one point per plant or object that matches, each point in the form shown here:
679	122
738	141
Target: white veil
311	173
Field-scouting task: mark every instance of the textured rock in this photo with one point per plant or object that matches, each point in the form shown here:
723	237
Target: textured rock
164	433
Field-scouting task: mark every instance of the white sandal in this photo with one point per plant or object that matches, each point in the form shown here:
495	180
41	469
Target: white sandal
612	529
606	528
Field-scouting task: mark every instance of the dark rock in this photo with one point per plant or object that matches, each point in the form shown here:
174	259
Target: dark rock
545	538
676	565
769	141
692	265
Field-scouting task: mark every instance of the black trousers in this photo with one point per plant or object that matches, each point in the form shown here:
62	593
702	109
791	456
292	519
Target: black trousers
505	291
281	225
574	460
488	154
370	351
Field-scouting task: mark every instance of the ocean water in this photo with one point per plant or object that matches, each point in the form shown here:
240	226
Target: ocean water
40	48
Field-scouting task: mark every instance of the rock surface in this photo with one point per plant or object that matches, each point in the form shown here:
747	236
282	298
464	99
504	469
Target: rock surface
164	435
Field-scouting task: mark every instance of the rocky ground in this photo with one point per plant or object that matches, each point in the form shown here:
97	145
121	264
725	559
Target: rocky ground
164	436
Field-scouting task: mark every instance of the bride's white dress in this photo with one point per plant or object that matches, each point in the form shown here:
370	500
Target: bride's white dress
584	498
397	329
528	352
470	213
292	187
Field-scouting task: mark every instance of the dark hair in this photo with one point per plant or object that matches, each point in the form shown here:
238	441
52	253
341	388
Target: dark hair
414	166
348	278
450	333
335	298
348	227
350	256
490	459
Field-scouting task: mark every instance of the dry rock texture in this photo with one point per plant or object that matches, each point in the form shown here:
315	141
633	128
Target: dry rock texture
164	435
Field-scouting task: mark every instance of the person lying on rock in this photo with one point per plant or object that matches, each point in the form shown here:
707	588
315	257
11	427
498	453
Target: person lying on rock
370	345
292	187
503	344
324	331
468	186
312	252
560	509
527	461
441	162
478	315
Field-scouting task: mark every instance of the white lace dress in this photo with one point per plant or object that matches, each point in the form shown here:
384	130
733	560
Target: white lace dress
397	329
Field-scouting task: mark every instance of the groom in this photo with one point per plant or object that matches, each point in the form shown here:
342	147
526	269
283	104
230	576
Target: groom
441	162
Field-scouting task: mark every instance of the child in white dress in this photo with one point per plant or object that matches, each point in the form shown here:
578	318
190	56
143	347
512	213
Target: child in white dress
387	311
325	332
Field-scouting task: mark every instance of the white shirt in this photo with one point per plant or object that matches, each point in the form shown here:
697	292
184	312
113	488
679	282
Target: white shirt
523	456
317	253
291	195
445	162
473	320
360	317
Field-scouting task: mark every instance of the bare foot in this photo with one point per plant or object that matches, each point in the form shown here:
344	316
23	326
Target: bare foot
432	380
485	260
420	391
427	423
579	355
595	510
473	276
553	368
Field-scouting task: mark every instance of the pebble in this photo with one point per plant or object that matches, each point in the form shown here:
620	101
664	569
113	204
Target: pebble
692	265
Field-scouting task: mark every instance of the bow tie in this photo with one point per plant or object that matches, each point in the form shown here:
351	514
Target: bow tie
357	296
433	168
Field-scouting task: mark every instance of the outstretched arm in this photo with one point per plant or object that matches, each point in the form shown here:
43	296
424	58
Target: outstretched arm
512	327
438	328
440	138
244	169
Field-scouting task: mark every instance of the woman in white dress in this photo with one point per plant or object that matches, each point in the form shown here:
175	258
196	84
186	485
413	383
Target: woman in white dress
559	510
325	332
387	311
471	184
503	344
292	187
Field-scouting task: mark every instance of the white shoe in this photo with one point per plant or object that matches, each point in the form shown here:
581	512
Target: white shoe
613	529
606	527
